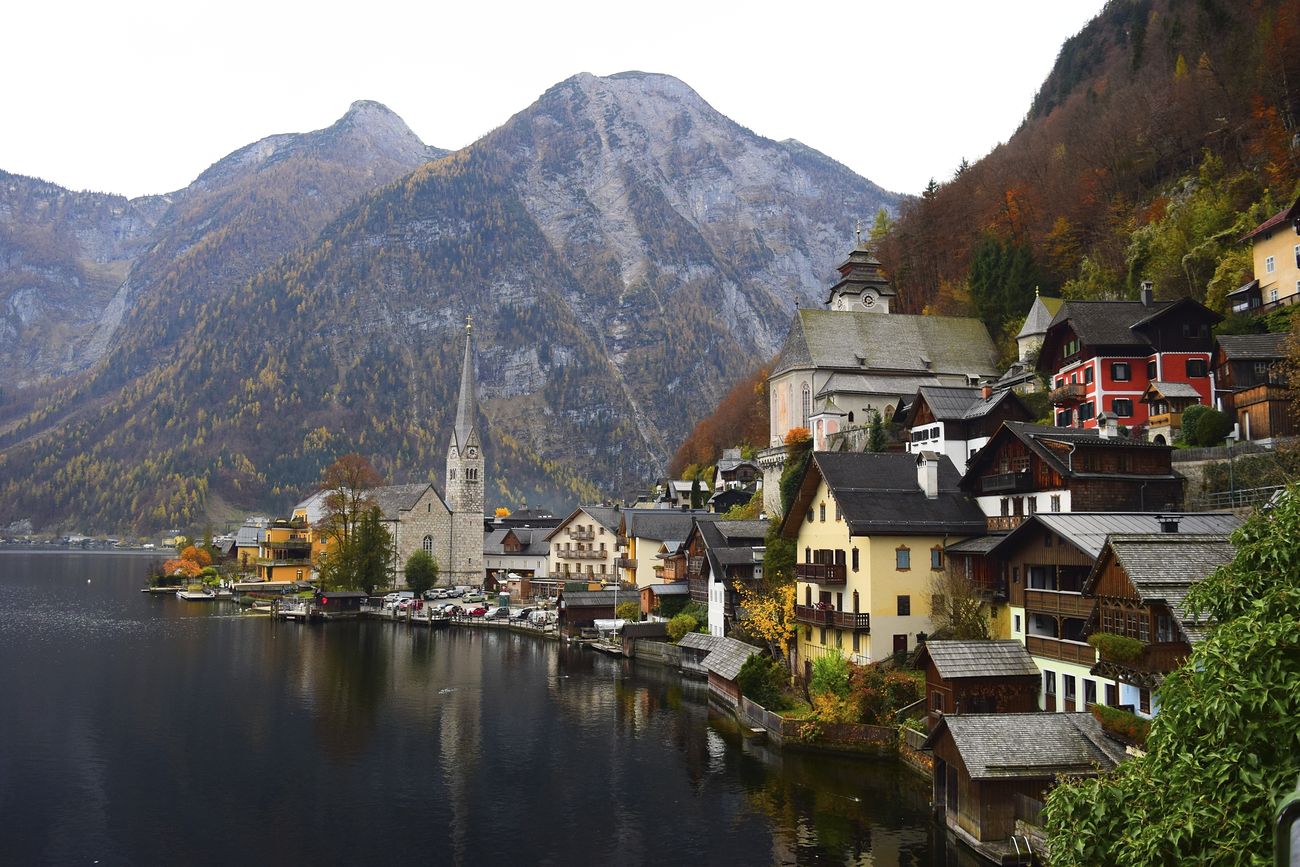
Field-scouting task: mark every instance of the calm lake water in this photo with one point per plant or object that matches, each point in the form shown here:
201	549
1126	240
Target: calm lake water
143	730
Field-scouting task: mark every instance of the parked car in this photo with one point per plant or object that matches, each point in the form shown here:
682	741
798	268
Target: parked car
475	597
455	593
476	612
499	613
522	613
450	610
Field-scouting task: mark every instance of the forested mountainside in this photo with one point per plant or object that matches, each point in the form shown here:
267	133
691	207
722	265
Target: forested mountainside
80	270
624	250
1166	129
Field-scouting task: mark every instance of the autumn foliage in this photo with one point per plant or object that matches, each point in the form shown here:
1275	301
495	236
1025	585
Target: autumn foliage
190	564
740	419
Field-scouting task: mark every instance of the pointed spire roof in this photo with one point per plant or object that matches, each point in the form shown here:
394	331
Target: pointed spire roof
466	403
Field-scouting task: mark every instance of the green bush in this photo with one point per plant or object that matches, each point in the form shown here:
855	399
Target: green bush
421	572
830	675
628	611
880	693
763	680
1128	726
682	624
1204	426
1120	648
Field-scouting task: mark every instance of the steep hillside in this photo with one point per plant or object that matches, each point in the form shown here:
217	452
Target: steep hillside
1116	140
80	269
625	252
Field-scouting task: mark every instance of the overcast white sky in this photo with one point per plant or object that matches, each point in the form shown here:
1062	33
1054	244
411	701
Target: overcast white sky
140	96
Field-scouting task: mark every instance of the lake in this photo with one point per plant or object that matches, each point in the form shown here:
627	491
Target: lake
147	730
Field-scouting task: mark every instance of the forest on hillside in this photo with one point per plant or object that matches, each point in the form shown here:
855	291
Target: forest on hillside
1165	131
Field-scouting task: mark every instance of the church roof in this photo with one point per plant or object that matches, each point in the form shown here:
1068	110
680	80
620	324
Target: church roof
466	402
1040	316
896	343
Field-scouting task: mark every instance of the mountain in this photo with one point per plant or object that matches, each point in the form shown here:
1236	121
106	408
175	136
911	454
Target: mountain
625	252
80	268
1164	131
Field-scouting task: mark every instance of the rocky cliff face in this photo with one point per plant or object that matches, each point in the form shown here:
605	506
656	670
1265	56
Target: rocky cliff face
625	251
76	269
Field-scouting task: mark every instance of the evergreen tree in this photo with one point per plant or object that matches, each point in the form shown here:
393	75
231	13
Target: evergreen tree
1003	277
876	433
421	572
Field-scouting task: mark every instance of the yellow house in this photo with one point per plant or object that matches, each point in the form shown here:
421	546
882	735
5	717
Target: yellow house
285	553
1275	249
870	532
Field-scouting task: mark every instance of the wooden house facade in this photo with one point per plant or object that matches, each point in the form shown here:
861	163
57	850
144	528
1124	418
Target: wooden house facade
1251	385
963	677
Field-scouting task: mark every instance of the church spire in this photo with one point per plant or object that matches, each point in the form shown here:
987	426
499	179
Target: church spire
466	404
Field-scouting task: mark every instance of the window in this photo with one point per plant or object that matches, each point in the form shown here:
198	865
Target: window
1056	502
1122	407
855	559
839	516
1151	370
1121	372
822	635
1031	505
936	559
1049	682
1047	540
1196	367
1006	507
1065	418
857	644
810	518
1015	623
1085	411
902	559
1144	697
822	512
1089	692
807	404
428	545
1060	382
1297	255
1068	687
904	606
936	701
839	638
453	474
1087	375
1269	265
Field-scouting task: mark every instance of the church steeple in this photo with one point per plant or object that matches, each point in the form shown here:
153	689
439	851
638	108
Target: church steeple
466	403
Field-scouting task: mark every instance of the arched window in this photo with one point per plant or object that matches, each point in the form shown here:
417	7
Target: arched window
453	474
428	545
807	405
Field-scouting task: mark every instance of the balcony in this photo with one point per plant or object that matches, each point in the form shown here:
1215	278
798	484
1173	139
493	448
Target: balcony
576	554
578	534
817	616
626	563
1014	481
1058	602
1166	419
821	573
1066	651
1003	523
1156	658
1070	393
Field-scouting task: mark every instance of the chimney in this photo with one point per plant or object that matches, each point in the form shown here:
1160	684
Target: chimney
927	474
986	391
1148	293
1168	523
1106	428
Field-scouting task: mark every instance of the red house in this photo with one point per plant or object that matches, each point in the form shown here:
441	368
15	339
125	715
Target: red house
1102	355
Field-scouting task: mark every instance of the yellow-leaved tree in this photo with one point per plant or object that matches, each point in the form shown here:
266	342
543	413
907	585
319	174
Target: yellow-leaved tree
770	606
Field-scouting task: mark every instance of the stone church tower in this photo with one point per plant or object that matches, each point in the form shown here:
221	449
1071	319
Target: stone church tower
464	482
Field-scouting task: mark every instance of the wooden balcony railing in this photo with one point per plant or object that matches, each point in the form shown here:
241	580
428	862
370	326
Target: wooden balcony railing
1066	651
1159	657
813	615
1002	523
816	616
581	535
1071	392
625	563
1165	419
821	573
1016	480
1058	602
575	554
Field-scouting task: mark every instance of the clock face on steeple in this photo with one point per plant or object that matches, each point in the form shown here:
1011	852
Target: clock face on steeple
471	452
868	300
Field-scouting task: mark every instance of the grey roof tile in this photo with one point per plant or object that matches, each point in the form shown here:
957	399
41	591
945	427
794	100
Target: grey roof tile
1002	658
1029	745
1087	531
879	493
1253	347
727	657
699	641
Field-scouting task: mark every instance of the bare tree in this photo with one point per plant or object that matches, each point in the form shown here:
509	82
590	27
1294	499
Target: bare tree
958	610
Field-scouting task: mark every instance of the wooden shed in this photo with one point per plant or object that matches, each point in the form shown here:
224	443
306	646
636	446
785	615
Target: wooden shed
963	677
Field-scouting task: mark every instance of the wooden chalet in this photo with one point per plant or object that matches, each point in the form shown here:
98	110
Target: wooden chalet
958	421
723	665
733	552
1251	386
1028	469
1048	560
991	769
652	595
1138	584
963	677
580	609
1166	402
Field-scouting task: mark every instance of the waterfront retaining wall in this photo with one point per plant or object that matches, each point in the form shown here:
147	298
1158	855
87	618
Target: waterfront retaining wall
658	652
811	734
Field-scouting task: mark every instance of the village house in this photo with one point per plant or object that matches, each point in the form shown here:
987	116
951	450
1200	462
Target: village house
1027	469
644	532
580	609
285	552
720	554
735	471
1102	355
839	366
1048	559
958	421
677	493
1139	583
584	546
992	769
869	533
653	597
1250	385
1275	250
519	551
977	677
248	542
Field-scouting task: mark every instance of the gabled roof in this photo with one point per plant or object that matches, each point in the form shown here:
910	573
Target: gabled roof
977	545
662	524
592	598
960	659
1283	216
1038	437
1087	531
730	543
250	537
1157	388
1028	745
1253	347
1116	324
605	516
676	588
1163	566
699	641
957	403
897	342
1041	313
533	539
399	498
880	494
728	656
